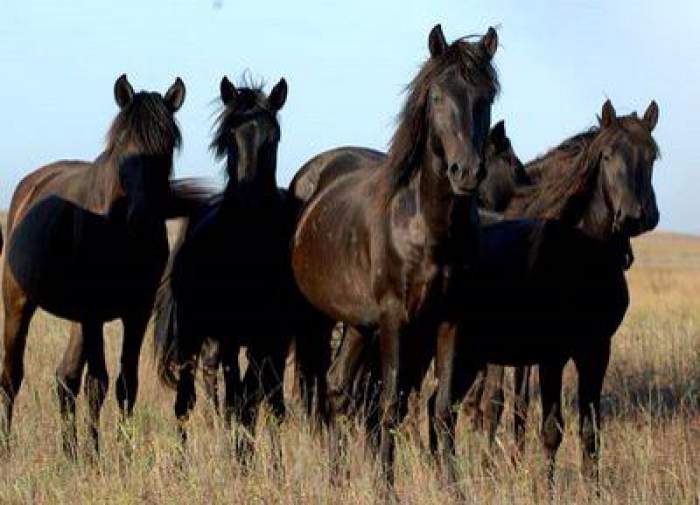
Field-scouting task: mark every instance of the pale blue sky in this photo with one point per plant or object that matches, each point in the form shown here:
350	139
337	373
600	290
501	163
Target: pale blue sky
347	63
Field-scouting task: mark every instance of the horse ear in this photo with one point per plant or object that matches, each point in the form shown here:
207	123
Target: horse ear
608	116
175	96
497	136
228	91
123	92
436	41
651	116
490	42
278	95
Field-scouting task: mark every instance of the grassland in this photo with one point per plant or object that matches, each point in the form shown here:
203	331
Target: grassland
651	436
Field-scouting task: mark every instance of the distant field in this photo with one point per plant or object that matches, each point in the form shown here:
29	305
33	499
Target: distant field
651	435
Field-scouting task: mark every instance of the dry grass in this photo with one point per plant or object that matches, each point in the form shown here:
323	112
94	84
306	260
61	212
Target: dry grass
651	435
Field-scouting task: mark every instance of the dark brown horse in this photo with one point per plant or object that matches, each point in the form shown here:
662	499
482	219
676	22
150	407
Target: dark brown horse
230	277
551	291
87	242
399	231
504	174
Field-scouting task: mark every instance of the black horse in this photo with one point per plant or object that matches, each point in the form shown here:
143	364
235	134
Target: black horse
547	292
230	273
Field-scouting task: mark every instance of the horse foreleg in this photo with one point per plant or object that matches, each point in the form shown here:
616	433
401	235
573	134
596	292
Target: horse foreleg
591	373
389	351
128	379
96	379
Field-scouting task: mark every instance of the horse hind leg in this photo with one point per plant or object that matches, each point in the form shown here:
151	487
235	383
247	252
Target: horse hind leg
210	361
68	377
228	357
96	380
18	313
492	401
521	404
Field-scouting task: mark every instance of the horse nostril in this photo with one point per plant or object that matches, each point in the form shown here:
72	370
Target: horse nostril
454	168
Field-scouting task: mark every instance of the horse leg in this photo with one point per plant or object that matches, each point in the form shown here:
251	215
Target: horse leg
445	416
389	351
96	379
492	401
18	313
521	403
591	373
210	360
273	392
251	397
344	369
313	358
128	379
228	357
68	377
472	401
552	420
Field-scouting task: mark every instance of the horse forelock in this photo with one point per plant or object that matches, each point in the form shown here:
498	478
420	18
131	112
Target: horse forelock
146	126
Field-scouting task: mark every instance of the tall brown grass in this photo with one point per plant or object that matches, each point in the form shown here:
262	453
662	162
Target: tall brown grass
651	432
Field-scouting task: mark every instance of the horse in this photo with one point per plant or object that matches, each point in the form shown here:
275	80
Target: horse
229	277
486	396
397	229
86	241
554	290
504	174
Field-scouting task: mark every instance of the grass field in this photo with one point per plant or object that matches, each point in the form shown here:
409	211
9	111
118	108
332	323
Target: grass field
651	435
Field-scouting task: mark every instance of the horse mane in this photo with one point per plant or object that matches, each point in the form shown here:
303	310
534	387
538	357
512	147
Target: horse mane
147	124
568	173
409	139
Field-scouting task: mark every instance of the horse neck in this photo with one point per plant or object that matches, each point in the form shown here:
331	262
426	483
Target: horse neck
261	190
451	222
105	173
596	219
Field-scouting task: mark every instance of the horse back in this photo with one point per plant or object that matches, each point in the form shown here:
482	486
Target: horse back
56	178
324	168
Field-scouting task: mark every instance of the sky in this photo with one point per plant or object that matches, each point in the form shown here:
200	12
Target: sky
347	64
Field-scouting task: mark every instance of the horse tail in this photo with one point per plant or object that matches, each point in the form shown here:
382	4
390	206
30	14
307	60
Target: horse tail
165	341
189	196
165	334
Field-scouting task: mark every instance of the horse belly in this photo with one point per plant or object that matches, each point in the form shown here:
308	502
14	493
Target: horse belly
232	289
330	262
515	338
